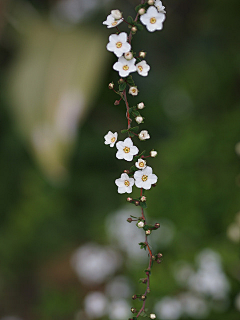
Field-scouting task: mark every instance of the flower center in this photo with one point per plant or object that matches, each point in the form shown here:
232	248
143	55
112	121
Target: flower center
113	139
153	20
126	150
134	90
126	67
144	178
141	164
119	44
140	68
114	23
127	183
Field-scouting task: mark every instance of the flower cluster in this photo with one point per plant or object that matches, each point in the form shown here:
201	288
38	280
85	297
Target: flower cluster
150	14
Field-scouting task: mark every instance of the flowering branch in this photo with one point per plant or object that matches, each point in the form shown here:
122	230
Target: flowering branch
150	13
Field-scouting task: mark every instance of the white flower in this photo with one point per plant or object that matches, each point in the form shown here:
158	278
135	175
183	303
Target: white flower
153	153
145	178
118	44
141	105
133	90
140	224
148	232
128	55
143	68
124	183
140	164
111	22
125	67
116	14
144	135
152	316
126	150
159	6
139	119
110	138
152	19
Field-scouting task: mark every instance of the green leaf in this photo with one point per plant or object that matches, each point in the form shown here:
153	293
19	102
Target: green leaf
133	217
139	155
139	26
135	129
131	134
133	169
130	81
135	113
130	110
143	205
122	86
130	20
134	318
138	7
124	131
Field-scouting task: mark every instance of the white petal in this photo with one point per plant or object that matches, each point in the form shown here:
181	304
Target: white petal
119	155
120	145
128	142
122	37
121	190
134	150
128	157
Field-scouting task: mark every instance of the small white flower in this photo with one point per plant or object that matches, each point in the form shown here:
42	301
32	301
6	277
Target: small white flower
152	19
143	68
139	119
144	135
124	183
140	164
126	150
116	14
128	55
118	44
133	90
152	316
148	232
145	178
141	105
111	22
153	153
110	138
159	6
125	67
142	54
141	11
140	224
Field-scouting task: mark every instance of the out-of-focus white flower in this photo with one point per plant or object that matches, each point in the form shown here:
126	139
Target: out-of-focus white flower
144	135
152	19
168	309
116	14
110	138
126	149
139	119
158	4
118	44
233	232
128	55
141	105
118	288
133	91
152	316
143	68
237	302
119	310
140	224
111	22
194	306
125	67
89	256
124	183
145	178
140	164
95	304
153	153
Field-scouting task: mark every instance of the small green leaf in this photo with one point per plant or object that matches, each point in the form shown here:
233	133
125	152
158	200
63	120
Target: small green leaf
130	81
131	134
130	20
122	86
135	113
139	26
130	110
133	169
143	205
124	131
133	217
138	7
135	129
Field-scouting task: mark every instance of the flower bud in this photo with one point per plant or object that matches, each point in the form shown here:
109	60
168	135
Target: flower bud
140	224
151	2
134	297
129	220
137	203
121	80
159	255
143	198
143	297
152	316
134	29
153	258
129	199
126	171
144	135
141	11
148	232
133	310
148	290
157	225
144	280
116	14
142	54
111	85
159	261
117	102
139	119
140	105
153	153
128	55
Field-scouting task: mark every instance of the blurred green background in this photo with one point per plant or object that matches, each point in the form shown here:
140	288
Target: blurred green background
65	246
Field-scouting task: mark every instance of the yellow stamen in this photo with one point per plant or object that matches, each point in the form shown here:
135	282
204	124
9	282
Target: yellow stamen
141	164
114	23
113	139
126	150
119	44
144	178
126	67
140	68
153	20
127	183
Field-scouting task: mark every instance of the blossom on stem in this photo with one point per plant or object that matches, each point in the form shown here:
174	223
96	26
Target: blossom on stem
143	68
117	14
158	4
128	55
144	135
141	105
153	153
152	316
140	164
139	119
126	150
124	183
152	19
111	22
125	67
145	178
110	138
118	44
133	90
140	224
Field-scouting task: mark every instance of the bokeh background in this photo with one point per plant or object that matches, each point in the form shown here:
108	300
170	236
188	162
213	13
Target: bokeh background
66	250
